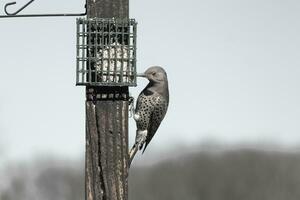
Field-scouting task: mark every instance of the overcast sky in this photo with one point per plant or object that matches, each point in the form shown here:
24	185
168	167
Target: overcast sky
233	69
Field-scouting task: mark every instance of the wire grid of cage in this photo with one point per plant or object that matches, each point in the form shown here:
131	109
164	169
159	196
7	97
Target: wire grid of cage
106	52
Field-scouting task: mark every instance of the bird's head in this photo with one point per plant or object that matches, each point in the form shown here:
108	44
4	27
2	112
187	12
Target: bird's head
155	75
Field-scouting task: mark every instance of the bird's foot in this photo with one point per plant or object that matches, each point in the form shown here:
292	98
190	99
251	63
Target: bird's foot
136	117
131	106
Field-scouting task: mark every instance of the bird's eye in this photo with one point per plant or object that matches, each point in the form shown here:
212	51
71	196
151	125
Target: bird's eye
154	73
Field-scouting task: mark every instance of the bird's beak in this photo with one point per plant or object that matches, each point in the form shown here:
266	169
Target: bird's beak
141	75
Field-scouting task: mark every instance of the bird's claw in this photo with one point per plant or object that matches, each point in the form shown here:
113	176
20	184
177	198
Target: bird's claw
131	106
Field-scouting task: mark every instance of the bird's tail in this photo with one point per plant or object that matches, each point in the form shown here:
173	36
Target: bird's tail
132	153
139	143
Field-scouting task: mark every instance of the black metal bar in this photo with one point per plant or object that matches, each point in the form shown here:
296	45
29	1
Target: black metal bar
109	50
90	53
96	52
122	50
134	52
78	51
13	3
128	51
115	49
14	14
84	53
44	15
102	47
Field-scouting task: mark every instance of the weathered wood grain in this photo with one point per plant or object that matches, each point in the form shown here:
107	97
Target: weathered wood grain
106	143
107	125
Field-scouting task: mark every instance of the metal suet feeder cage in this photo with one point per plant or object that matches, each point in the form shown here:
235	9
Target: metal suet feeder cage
106	52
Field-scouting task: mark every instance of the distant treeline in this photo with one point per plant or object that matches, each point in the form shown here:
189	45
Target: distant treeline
226	175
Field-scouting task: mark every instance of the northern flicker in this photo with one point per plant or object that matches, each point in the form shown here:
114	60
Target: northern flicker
151	108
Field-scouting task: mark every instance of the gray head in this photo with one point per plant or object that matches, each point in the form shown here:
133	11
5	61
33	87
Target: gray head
155	74
158	79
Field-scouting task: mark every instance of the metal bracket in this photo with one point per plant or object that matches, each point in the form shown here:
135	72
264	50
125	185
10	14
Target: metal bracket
14	14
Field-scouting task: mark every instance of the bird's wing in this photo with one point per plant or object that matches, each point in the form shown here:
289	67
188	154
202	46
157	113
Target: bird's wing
159	112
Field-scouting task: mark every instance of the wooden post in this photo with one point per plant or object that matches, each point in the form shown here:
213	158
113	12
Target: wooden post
107	125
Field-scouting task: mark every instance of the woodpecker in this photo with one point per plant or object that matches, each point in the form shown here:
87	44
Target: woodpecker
151	108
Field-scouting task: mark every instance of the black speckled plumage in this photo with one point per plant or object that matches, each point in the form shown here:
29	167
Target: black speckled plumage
151	109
